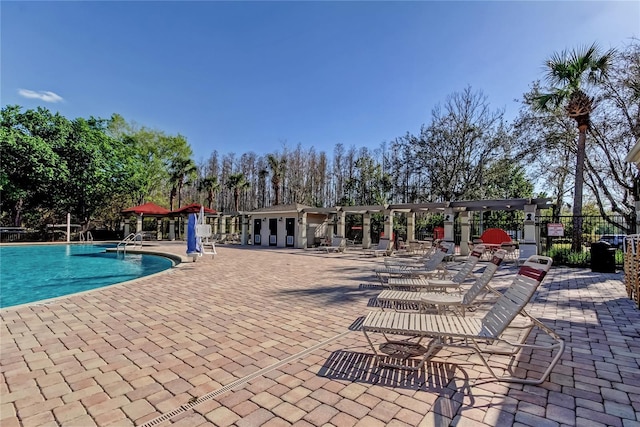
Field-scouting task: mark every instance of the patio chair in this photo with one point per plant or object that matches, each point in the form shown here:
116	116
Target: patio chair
433	284
338	244
442	300
511	252
472	332
430	268
407	261
383	248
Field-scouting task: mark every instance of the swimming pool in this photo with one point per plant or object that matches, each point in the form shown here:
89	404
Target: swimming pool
37	272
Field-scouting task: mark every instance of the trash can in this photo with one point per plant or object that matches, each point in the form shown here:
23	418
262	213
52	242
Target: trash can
438	233
603	258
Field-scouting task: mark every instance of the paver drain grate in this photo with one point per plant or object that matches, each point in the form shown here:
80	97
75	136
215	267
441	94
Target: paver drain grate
185	407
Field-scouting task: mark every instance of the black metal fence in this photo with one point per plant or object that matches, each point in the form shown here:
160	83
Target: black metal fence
594	229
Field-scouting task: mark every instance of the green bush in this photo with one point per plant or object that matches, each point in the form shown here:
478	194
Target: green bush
562	255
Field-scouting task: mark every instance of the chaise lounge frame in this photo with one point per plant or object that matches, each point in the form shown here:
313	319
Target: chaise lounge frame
472	333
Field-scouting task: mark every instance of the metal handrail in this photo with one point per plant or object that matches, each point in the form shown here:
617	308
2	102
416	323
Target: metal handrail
133	239
88	238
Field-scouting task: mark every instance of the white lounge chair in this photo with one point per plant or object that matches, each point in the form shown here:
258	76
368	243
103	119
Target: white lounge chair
420	284
383	248
440	300
429	268
338	244
472	332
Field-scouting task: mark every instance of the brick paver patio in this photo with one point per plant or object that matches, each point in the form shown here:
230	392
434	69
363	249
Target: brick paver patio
270	337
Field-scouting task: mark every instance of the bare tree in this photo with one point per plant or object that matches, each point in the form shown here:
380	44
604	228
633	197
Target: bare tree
463	139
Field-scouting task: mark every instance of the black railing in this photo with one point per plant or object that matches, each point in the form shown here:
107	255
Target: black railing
594	229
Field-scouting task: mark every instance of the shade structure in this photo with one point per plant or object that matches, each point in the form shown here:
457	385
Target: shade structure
495	236
148	209
193	208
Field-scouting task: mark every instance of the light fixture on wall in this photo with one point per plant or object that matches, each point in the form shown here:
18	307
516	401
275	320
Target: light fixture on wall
300	220
280	219
264	219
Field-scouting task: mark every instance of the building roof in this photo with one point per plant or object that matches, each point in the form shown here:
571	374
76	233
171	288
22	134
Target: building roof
634	154
149	209
499	204
280	209
437	207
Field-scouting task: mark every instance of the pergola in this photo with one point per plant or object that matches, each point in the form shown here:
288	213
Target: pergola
290	225
463	208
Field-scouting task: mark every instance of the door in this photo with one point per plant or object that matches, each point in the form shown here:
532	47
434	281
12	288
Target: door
273	231
290	227
257	226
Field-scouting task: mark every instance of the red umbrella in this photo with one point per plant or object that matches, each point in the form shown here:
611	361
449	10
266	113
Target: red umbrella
148	209
193	208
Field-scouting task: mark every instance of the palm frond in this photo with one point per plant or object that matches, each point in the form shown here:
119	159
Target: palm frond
550	101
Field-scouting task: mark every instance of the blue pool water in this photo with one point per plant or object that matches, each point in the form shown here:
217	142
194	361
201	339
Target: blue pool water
34	273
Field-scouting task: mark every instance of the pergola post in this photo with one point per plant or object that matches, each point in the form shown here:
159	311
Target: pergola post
244	229
388	224
411	226
223	226
448	225
366	230
232	225
302	231
465	231
529	243
139	224
341	224
126	227
159	228
328	230
172	229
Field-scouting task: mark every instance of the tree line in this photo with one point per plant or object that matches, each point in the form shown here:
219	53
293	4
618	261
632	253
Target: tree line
467	150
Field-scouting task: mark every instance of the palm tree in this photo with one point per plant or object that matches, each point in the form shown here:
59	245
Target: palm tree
568	74
277	166
237	182
211	186
181	170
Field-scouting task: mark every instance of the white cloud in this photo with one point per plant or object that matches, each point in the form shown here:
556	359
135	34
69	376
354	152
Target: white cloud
44	95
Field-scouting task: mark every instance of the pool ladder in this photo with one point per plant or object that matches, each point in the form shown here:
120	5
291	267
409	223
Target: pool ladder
87	238
133	239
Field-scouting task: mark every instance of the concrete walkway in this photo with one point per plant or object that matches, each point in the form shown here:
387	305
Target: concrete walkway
270	337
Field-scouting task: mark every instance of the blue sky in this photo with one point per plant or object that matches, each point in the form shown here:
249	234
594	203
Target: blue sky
252	76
